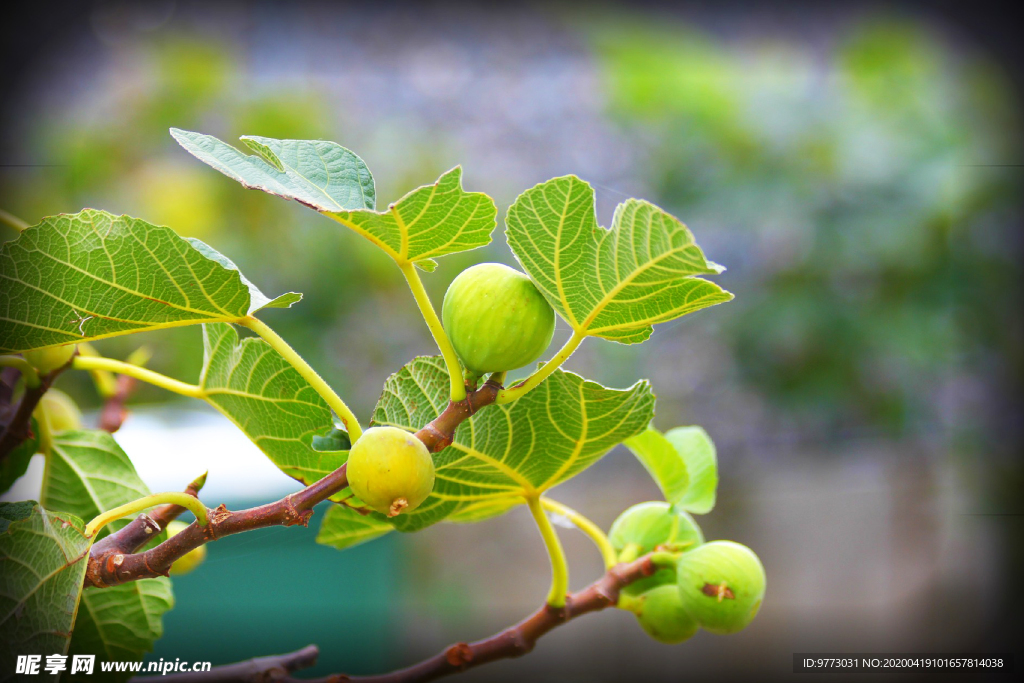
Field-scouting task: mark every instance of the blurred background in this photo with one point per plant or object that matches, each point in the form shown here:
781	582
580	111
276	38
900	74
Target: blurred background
857	170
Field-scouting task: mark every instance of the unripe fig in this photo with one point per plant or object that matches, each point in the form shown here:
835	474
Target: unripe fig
660	613
62	413
722	585
390	470
49	359
648	525
496	318
191	559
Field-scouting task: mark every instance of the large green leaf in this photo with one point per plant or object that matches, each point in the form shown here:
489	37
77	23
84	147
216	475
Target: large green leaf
90	275
429	222
683	464
322	175
121	623
257	389
87	474
617	283
343	527
508	451
42	566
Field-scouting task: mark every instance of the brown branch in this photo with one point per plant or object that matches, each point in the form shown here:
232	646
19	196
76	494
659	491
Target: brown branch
114	412
19	427
258	670
439	434
514	641
113	563
296	508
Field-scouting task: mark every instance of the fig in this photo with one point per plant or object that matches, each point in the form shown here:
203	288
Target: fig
62	413
390	470
660	613
648	525
190	560
722	585
496	318
49	359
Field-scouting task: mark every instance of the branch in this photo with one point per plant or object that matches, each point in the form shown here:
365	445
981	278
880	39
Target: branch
111	568
19	427
514	641
258	670
114	411
439	434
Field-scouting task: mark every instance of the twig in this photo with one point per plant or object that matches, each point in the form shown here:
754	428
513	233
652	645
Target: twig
514	641
258	670
19	427
114	411
114	566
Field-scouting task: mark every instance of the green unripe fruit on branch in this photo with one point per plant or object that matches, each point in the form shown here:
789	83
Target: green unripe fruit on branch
190	560
645	526
496	318
648	525
390	470
660	613
62	413
721	585
49	359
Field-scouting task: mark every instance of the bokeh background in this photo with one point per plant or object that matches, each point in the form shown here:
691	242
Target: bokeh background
856	169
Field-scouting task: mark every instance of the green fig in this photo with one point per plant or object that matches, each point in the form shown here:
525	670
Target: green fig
660	613
62	413
190	560
496	318
721	585
49	359
390	470
648	525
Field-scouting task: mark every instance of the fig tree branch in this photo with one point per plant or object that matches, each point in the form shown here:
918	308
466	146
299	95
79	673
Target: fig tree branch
514	641
258	670
18	427
110	565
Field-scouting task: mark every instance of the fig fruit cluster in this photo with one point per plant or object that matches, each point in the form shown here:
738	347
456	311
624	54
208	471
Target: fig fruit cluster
496	318
717	586
390	470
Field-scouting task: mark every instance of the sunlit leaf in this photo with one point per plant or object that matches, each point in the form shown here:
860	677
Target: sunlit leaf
250	383
322	175
617	283
663	462
343	527
87	474
698	451
43	559
88	275
120	623
507	451
427	223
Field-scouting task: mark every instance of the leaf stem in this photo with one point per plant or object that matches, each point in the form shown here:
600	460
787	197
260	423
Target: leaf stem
559	567
451	359
12	220
309	374
518	390
27	371
94	363
175	497
584	524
